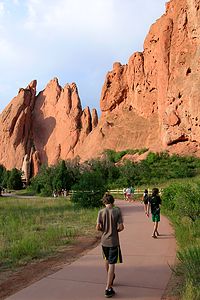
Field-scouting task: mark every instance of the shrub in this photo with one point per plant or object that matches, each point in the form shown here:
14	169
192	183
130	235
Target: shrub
2	172
61	176
183	199
114	156
89	191
15	180
169	194
42	183
130	173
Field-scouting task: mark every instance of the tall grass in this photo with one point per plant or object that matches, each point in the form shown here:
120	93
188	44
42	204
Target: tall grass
35	228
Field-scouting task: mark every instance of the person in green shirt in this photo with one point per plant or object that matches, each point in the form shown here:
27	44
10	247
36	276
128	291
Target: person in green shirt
154	202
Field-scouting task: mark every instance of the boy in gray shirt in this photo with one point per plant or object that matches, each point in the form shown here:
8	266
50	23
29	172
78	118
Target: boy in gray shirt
110	222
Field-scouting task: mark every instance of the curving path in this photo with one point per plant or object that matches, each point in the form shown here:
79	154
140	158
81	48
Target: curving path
143	275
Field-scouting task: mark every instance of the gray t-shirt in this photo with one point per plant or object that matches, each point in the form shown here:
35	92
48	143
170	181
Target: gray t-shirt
109	218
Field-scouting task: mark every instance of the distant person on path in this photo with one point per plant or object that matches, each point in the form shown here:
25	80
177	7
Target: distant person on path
124	193
110	222
145	200
132	193
154	202
128	194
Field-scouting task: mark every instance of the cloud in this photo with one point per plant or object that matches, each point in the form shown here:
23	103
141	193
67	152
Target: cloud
2	8
70	17
75	40
16	2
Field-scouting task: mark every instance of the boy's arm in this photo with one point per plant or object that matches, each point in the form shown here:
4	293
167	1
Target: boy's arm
98	227
120	227
148	207
99	223
120	224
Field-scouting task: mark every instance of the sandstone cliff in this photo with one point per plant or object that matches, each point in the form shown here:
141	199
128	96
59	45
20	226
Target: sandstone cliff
153	102
43	128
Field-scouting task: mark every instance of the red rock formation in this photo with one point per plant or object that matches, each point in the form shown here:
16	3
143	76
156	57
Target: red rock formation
43	128
15	127
154	100
151	102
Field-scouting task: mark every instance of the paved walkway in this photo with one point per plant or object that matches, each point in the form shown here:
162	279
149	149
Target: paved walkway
143	275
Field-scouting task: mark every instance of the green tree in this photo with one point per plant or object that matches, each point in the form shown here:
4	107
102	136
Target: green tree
42	183
108	170
90	189
15	180
61	176
2	173
64	176
130	174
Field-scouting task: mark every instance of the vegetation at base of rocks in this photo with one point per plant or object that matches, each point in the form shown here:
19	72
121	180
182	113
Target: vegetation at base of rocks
156	168
115	156
181	203
34	228
55	178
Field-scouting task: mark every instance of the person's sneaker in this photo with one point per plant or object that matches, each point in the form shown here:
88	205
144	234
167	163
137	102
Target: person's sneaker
109	293
154	236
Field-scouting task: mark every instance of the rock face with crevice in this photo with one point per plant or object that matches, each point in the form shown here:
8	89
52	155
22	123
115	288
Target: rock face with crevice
152	102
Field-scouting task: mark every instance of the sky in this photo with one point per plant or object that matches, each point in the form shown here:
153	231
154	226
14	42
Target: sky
73	40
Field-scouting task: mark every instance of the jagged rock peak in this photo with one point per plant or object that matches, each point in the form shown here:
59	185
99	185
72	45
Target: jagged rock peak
94	118
32	85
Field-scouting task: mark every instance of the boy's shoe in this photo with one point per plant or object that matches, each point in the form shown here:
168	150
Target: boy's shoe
109	293
154	236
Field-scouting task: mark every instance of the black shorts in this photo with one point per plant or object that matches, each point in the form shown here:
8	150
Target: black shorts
112	254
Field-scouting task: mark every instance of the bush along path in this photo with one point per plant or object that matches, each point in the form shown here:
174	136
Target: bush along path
143	275
181	203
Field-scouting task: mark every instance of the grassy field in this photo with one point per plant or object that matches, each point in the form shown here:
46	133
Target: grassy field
35	228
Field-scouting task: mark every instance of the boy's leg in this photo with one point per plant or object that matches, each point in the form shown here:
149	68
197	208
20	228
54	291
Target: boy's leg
107	270
110	276
155	228
158	220
107	265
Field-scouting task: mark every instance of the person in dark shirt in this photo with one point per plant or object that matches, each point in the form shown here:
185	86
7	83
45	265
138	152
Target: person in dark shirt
110	223
145	200
154	202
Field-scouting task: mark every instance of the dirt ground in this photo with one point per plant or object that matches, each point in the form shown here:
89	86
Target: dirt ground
13	281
